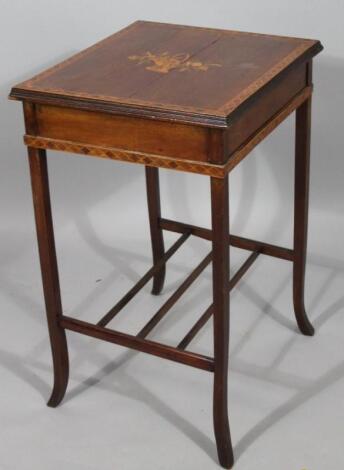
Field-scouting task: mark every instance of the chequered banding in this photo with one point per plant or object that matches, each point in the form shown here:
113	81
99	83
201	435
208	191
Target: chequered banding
125	156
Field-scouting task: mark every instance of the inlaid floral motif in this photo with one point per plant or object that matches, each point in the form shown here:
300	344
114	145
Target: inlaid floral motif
165	62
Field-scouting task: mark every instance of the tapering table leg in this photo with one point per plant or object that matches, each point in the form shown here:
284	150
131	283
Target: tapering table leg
154	211
220	228
302	159
46	245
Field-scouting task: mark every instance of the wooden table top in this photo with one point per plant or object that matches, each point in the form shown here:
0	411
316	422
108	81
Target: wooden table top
169	72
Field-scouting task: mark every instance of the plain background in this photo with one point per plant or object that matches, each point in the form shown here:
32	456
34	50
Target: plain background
129	411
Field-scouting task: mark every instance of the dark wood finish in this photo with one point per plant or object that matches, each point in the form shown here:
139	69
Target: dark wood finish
217	150
220	228
266	129
263	248
200	323
216	145
181	98
234	240
122	132
117	75
161	313
198	361
50	278
210	310
157	237
266	105
142	282
302	159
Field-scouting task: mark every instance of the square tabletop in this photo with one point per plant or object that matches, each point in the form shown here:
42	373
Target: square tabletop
173	72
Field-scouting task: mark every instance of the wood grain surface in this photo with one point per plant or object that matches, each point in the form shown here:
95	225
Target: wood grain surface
229	67
204	168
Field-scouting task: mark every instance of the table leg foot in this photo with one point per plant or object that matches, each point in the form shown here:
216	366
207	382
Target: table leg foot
60	386
303	322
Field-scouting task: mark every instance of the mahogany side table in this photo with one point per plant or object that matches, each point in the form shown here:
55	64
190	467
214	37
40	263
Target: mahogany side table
183	98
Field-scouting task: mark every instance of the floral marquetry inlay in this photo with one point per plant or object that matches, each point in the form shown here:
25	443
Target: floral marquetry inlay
165	62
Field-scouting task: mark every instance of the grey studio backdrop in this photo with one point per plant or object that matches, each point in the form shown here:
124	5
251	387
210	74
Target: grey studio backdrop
125	410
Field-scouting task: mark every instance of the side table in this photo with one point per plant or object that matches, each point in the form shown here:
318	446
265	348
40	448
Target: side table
182	98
